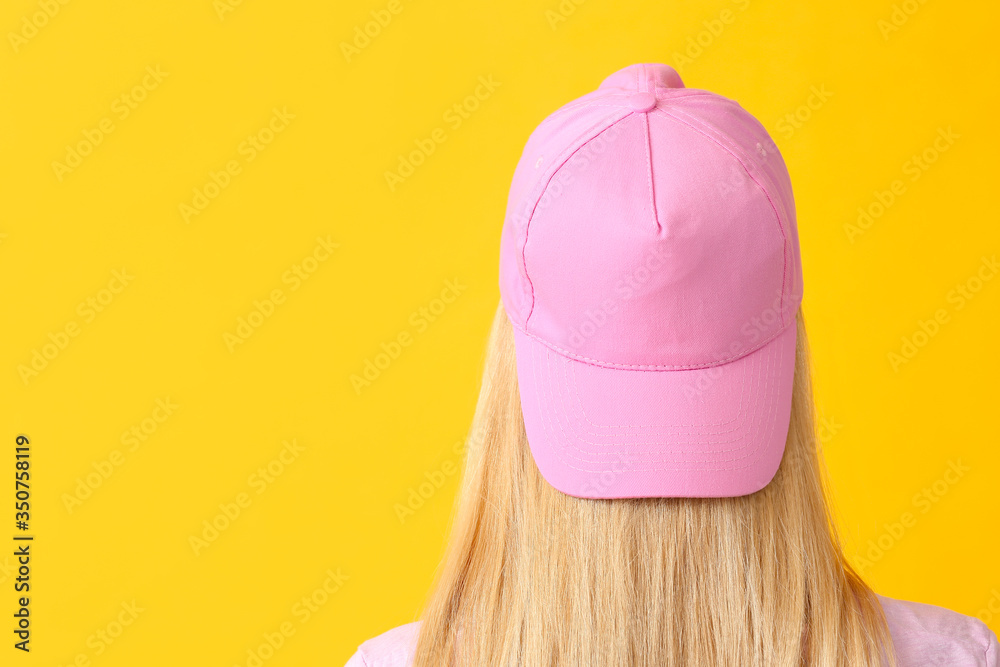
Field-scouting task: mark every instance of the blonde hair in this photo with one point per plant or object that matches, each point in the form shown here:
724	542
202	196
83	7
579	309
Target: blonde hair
535	577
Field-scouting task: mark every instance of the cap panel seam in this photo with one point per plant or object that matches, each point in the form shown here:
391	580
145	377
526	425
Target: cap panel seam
742	163
646	367
747	120
570	106
649	173
542	187
738	158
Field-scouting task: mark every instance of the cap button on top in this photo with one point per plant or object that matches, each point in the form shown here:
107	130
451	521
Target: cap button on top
641	102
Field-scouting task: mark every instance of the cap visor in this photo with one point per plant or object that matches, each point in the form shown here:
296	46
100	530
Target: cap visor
601	432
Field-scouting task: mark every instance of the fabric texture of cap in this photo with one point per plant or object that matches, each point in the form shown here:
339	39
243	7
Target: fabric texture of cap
649	263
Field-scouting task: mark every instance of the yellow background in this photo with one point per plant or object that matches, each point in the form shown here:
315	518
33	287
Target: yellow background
891	433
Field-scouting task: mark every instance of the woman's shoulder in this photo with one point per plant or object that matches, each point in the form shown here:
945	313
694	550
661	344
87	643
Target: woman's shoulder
924	634
393	648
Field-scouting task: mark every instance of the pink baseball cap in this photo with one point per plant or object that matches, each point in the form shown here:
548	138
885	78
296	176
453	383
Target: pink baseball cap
649	263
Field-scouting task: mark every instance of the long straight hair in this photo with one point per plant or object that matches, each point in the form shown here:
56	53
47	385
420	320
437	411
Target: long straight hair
532	576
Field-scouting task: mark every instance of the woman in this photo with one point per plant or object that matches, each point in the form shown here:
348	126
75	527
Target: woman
643	485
